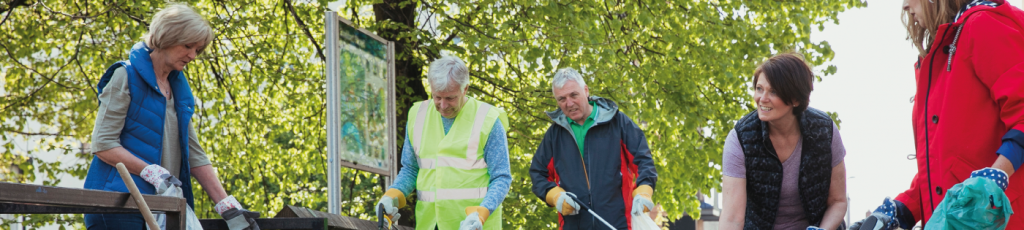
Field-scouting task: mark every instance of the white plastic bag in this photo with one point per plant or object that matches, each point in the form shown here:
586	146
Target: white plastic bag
644	222
190	216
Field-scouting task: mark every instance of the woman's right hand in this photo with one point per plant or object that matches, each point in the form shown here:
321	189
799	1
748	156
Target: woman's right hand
160	178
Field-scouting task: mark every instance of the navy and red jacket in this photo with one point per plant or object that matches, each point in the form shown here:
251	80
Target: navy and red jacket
615	161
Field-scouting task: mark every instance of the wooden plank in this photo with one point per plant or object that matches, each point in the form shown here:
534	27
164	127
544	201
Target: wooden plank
14	208
334	221
28	199
272	223
177	220
49	195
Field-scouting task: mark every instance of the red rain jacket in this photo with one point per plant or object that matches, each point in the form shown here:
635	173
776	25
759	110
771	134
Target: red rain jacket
961	114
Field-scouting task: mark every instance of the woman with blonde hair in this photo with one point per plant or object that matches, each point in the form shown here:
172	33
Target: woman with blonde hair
144	116
968	114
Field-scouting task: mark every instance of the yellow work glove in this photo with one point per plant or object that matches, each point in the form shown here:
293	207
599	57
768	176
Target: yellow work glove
475	217
558	198
480	210
642	200
392	200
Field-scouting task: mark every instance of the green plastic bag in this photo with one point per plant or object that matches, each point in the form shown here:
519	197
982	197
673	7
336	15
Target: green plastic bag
977	203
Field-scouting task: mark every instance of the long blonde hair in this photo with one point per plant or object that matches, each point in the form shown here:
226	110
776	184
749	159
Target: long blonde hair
935	14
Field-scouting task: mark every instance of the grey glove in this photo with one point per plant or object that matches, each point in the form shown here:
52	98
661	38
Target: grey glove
169	182
236	217
159	177
241	219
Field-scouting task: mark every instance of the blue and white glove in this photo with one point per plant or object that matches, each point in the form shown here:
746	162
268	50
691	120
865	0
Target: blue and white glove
994	174
160	178
472	222
888	216
814	228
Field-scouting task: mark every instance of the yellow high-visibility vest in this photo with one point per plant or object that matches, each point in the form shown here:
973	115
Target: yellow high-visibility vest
453	174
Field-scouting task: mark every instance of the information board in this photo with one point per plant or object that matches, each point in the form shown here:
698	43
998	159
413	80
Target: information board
360	103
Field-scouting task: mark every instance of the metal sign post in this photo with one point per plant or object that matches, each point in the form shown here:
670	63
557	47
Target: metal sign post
361	127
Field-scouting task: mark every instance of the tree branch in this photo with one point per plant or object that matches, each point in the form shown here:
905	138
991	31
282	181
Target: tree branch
39	134
319	51
48	78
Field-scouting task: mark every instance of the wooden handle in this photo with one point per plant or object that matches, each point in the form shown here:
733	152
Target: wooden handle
128	182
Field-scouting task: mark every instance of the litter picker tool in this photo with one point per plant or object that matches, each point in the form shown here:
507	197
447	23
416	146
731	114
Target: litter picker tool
143	207
591	211
384	221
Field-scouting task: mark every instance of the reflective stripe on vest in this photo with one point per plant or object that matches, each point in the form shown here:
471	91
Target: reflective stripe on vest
453	162
471	161
417	130
452	194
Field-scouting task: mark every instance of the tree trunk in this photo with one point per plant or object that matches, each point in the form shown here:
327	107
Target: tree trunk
408	73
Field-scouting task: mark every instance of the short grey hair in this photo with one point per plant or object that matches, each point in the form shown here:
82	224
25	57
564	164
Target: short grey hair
178	24
564	75
448	70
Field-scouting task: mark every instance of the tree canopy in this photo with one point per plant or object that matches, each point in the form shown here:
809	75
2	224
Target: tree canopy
680	69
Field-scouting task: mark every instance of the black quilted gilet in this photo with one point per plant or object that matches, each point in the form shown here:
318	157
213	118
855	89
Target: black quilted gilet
764	169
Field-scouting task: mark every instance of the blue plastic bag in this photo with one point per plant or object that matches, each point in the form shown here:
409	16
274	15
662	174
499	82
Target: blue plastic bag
977	203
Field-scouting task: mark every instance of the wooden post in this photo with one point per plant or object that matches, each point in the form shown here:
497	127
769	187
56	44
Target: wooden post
143	208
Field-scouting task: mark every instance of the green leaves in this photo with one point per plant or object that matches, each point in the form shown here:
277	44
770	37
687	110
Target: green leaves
680	69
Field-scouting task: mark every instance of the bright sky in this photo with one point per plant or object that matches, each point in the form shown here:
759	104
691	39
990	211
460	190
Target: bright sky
871	92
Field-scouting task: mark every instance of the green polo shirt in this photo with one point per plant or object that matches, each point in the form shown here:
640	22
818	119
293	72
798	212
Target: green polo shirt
581	130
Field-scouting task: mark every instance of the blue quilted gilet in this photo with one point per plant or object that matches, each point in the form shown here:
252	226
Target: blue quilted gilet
143	130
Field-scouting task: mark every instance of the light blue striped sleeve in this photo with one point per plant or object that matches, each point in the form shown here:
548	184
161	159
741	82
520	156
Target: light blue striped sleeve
496	156
406	179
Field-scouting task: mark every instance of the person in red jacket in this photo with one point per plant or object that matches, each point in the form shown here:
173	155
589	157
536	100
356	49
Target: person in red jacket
969	107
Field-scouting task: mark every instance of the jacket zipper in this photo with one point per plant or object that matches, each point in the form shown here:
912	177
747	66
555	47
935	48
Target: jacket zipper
585	174
927	144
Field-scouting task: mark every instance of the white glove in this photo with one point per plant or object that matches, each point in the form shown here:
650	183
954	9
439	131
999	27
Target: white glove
159	177
237	217
390	208
564	199
639	203
472	222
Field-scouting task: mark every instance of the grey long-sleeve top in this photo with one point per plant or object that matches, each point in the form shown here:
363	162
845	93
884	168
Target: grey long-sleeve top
106	133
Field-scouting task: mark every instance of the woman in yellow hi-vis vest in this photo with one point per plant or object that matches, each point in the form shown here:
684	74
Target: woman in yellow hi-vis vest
455	156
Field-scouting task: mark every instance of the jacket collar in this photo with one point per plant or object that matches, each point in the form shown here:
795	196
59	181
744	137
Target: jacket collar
1002	9
143	64
606	109
972	4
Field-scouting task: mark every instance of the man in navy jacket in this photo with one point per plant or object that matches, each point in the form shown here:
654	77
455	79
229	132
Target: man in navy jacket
596	153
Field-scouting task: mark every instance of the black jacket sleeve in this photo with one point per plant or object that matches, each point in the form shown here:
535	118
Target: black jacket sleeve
636	144
539	166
